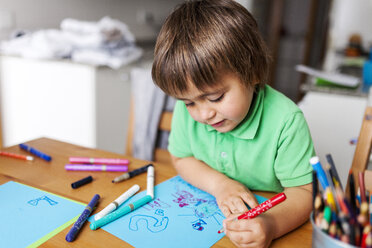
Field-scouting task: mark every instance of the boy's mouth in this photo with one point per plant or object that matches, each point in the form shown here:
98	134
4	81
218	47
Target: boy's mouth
218	124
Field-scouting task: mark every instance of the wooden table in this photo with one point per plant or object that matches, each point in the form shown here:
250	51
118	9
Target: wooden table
52	177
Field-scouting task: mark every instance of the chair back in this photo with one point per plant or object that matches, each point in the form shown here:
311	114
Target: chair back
160	155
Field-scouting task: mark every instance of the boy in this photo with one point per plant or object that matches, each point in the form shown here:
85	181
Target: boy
231	133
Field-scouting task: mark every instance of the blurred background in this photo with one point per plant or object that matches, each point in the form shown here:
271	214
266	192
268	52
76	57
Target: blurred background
66	66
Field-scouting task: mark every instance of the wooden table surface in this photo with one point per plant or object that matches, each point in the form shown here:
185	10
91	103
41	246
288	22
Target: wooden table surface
52	177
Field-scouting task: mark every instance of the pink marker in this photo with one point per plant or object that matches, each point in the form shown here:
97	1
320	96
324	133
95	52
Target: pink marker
111	161
96	167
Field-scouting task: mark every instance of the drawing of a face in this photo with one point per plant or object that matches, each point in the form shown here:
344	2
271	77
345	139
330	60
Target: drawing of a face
206	209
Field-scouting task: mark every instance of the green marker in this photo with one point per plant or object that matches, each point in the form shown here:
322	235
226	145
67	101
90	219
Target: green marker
327	215
120	212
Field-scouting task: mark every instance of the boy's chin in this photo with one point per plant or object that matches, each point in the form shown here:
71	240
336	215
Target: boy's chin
224	129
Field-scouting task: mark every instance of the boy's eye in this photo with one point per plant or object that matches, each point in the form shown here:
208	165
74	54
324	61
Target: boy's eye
218	99
189	104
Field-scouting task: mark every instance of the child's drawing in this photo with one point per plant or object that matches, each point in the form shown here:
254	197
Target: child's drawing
198	225
157	203
184	198
180	214
200	208
33	216
34	202
151	223
159	212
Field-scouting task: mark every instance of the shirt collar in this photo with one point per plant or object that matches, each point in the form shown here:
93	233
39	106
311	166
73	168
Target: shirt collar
247	129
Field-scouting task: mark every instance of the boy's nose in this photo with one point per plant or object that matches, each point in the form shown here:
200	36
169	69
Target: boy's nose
207	113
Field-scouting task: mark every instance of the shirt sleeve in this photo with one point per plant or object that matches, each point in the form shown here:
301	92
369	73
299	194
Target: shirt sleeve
295	148
179	143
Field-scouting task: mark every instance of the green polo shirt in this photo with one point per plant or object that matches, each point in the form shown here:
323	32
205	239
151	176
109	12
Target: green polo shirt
268	151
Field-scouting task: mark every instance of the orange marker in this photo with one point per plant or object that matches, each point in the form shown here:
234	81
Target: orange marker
19	156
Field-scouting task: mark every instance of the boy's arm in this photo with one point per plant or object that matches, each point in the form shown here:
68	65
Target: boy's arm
229	193
293	212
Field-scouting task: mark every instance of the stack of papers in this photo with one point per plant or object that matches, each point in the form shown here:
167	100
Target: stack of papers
330	78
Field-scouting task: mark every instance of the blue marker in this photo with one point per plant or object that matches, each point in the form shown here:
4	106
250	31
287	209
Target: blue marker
314	161
82	218
35	152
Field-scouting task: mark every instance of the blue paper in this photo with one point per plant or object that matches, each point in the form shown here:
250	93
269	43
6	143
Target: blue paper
179	216
30	216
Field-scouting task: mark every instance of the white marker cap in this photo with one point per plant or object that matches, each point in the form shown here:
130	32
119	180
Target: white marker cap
150	181
29	158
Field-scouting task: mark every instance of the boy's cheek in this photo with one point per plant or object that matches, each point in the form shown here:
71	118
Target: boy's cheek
194	116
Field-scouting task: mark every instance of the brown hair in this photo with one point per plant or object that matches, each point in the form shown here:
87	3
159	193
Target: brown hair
201	39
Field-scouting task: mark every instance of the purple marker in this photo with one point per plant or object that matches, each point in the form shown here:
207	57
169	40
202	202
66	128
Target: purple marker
71	235
96	167
111	161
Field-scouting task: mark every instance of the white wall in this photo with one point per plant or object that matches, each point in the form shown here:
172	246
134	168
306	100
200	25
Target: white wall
42	14
103	133
348	17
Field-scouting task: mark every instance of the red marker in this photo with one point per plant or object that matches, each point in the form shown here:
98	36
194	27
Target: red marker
19	156
263	207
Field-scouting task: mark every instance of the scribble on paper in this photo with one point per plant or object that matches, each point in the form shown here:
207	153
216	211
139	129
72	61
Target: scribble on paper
152	224
180	215
159	212
200	208
197	225
191	204
36	201
157	203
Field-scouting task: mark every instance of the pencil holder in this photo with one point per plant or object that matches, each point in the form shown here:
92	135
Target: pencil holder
322	239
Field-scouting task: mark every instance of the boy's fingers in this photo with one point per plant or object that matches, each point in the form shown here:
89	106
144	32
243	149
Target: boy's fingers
242	239
225	210
239	225
235	206
231	217
250	200
240	206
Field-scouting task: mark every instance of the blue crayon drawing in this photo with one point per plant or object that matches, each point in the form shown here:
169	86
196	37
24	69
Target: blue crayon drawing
159	212
197	225
200	208
36	201
152	224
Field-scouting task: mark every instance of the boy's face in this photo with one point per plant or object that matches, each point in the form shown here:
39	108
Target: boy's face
222	106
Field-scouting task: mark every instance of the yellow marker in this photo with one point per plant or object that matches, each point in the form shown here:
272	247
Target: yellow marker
330	199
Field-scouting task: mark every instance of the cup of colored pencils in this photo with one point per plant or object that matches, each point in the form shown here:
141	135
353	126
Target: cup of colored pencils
339	220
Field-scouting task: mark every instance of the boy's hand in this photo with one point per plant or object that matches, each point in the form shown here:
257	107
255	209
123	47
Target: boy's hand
232	197
254	232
